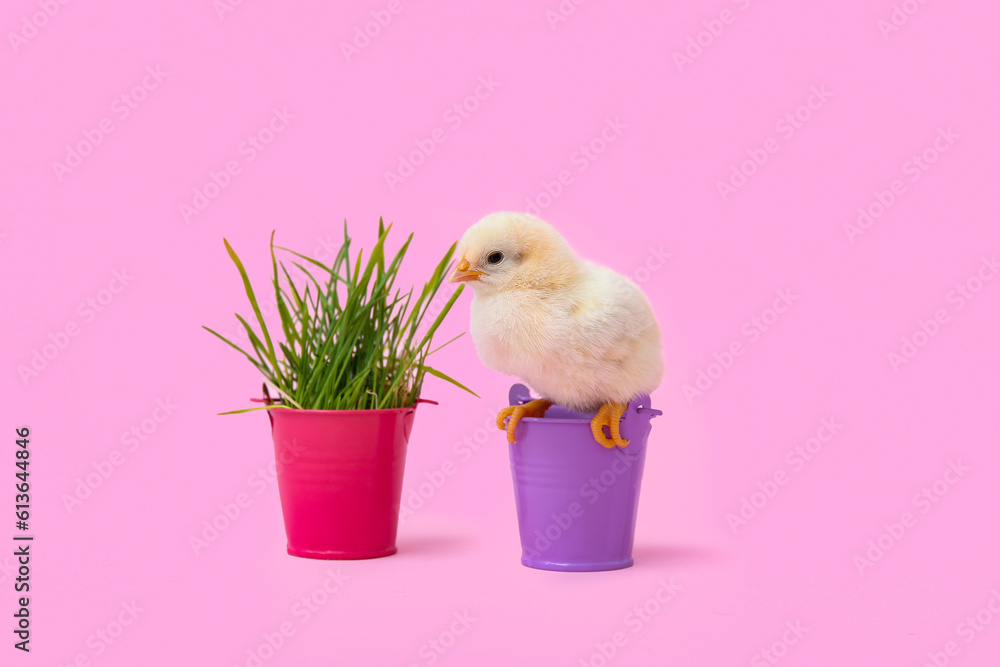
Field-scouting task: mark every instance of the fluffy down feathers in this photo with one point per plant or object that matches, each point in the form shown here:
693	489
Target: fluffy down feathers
579	334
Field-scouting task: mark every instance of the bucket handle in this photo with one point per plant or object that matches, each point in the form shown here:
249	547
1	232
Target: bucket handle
268	400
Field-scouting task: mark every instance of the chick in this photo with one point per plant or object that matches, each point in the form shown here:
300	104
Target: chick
579	334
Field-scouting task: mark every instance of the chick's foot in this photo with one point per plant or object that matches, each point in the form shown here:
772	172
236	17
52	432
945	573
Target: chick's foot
609	415
534	408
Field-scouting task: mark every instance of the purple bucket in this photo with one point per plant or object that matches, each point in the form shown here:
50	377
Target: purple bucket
576	500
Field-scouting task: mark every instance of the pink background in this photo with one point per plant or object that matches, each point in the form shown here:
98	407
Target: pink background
653	190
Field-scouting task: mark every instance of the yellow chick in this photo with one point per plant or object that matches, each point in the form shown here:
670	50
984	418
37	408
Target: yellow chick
579	334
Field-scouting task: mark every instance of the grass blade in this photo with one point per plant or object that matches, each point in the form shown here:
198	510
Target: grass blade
253	302
438	374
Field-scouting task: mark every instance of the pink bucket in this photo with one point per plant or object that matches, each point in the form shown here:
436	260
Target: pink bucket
340	478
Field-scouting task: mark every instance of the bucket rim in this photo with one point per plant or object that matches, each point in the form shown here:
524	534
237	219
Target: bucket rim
519	394
411	408
586	420
370	411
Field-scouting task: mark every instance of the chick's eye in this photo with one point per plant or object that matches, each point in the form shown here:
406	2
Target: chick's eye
495	257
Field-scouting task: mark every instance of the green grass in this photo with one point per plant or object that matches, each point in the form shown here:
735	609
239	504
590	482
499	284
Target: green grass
352	339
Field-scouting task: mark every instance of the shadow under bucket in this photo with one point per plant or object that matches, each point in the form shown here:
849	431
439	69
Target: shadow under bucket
340	478
576	500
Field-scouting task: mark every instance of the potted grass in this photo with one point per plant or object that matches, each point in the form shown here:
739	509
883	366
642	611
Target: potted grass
341	390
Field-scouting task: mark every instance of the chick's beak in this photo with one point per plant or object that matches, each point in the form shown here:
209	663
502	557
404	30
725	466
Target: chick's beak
463	272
